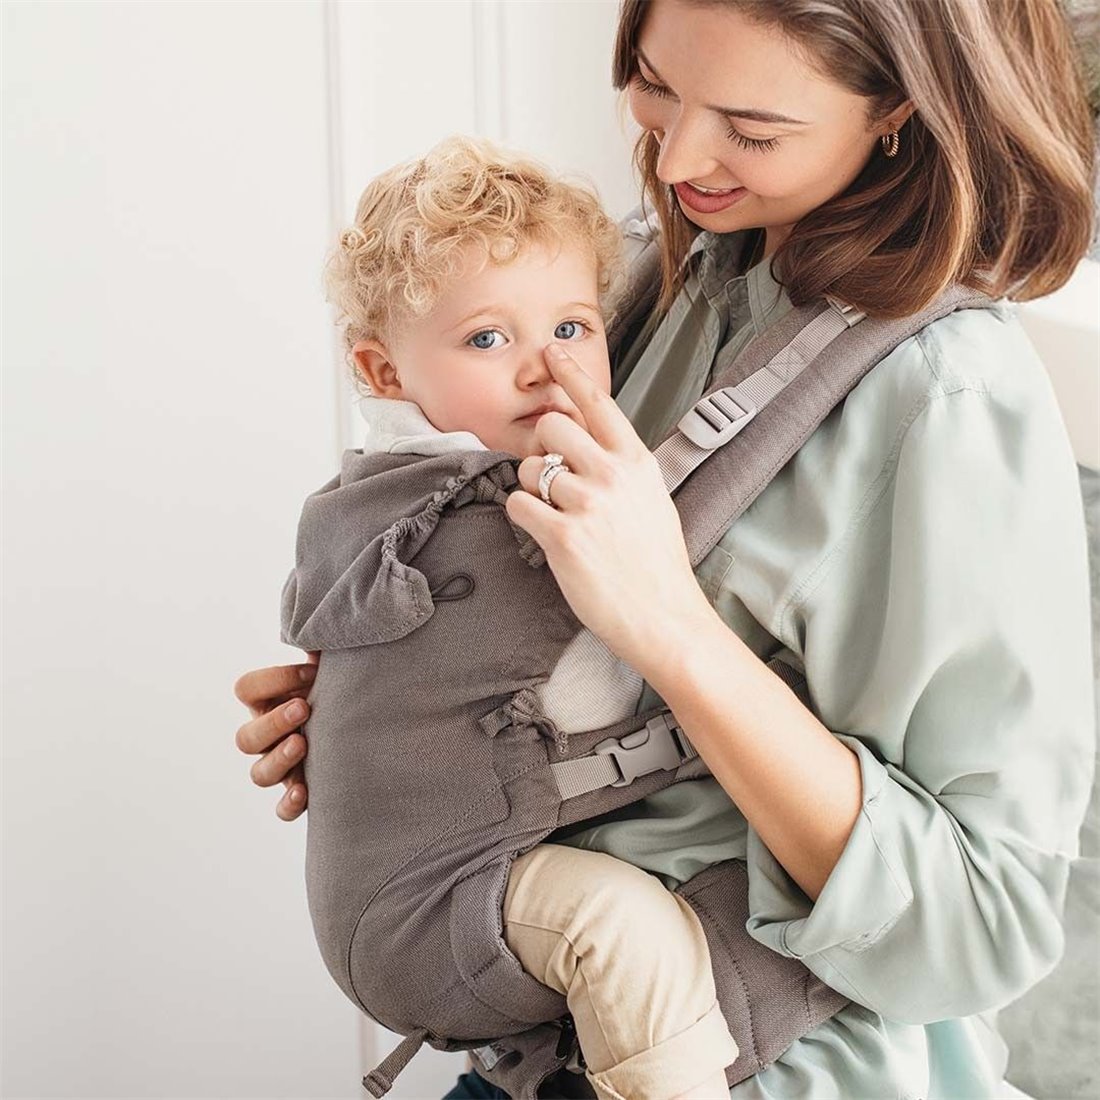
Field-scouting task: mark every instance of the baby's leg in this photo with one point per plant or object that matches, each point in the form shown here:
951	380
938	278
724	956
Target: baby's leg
632	961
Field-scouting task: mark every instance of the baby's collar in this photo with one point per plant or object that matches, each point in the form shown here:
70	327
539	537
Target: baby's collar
400	427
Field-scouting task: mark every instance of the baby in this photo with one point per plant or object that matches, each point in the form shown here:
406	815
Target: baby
461	269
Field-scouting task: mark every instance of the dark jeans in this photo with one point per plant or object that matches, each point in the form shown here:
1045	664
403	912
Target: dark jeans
472	1086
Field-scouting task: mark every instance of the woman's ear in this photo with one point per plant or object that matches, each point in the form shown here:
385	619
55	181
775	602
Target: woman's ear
897	118
376	368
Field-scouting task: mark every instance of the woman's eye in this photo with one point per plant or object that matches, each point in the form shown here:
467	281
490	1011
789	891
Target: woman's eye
649	87
484	340
569	330
759	145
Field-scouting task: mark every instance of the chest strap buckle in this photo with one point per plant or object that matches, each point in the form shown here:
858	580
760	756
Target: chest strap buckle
655	747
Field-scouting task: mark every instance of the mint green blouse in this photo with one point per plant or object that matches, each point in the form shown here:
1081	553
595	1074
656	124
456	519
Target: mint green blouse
922	558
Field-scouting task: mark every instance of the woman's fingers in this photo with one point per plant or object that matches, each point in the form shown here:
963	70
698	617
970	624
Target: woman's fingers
562	434
259	689
606	422
275	698
278	764
261	733
567	491
294	801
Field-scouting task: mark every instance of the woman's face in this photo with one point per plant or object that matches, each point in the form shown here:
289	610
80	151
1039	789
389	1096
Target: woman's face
736	109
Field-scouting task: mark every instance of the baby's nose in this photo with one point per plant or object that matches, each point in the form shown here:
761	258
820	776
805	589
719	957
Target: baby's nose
533	368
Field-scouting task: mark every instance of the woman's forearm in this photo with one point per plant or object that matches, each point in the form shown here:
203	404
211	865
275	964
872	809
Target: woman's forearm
797	785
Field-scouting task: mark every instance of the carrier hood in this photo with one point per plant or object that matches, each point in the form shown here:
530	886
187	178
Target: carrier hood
354	582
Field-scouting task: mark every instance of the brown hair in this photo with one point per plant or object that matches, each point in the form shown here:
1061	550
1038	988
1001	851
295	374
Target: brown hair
991	187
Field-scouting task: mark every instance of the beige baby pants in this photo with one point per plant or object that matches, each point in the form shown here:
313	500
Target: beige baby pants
632	961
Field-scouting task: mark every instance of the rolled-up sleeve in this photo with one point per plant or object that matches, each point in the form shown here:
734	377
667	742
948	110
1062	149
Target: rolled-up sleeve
945	639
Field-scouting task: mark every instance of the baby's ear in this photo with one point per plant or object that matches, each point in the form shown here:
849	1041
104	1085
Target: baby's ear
375	367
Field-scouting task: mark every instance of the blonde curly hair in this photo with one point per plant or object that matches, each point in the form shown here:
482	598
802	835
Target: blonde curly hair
415	222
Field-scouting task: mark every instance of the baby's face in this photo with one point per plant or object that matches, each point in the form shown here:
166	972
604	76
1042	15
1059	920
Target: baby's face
475	363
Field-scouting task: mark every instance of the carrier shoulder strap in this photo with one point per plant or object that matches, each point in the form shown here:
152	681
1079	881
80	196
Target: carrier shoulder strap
813	357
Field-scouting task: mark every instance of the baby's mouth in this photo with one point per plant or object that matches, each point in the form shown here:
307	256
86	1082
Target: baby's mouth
542	410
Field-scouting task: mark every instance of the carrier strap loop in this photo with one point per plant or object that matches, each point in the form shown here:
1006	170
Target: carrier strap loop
380	1079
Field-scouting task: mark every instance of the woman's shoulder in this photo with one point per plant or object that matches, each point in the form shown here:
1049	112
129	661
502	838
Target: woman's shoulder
982	350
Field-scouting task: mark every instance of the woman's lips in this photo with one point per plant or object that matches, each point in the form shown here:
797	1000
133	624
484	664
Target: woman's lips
708	204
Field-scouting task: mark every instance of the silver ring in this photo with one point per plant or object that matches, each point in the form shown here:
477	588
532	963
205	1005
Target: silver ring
552	465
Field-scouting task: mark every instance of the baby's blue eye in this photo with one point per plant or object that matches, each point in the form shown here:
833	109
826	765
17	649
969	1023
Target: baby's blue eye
567	330
484	339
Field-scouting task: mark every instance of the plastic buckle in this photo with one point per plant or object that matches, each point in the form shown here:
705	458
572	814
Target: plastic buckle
851	315
651	749
717	418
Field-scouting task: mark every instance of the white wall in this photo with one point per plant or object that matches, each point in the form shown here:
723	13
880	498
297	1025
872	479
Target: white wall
173	173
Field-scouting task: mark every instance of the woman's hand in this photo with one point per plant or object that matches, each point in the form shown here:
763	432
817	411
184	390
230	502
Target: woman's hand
276	699
613	537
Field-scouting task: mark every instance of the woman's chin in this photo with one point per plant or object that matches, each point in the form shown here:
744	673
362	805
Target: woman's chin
724	221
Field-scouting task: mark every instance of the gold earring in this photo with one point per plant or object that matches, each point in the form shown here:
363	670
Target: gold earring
890	143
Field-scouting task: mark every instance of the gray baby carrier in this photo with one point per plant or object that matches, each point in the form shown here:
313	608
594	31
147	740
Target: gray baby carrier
430	766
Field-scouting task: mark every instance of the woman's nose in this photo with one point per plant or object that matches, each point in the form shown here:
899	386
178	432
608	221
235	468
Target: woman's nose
685	153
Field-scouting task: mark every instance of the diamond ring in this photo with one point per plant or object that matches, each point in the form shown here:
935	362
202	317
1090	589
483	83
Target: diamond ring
552	465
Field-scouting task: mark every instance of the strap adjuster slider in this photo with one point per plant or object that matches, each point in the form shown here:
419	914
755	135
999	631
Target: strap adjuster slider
717	418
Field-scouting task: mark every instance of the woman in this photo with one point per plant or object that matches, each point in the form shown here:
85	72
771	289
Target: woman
921	557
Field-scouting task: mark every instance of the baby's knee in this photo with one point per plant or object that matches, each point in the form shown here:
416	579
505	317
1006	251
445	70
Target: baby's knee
557	886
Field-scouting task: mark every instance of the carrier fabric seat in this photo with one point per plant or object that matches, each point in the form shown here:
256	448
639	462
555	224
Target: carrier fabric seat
434	613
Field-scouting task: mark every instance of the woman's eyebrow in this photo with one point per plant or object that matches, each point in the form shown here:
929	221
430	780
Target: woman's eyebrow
749	113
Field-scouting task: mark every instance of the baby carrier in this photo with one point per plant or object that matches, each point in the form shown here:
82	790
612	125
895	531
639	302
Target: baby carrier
435	625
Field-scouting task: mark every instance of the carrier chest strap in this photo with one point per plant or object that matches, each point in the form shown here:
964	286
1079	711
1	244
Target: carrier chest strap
659	746
718	416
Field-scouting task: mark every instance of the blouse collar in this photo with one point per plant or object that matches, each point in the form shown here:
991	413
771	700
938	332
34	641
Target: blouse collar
718	259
